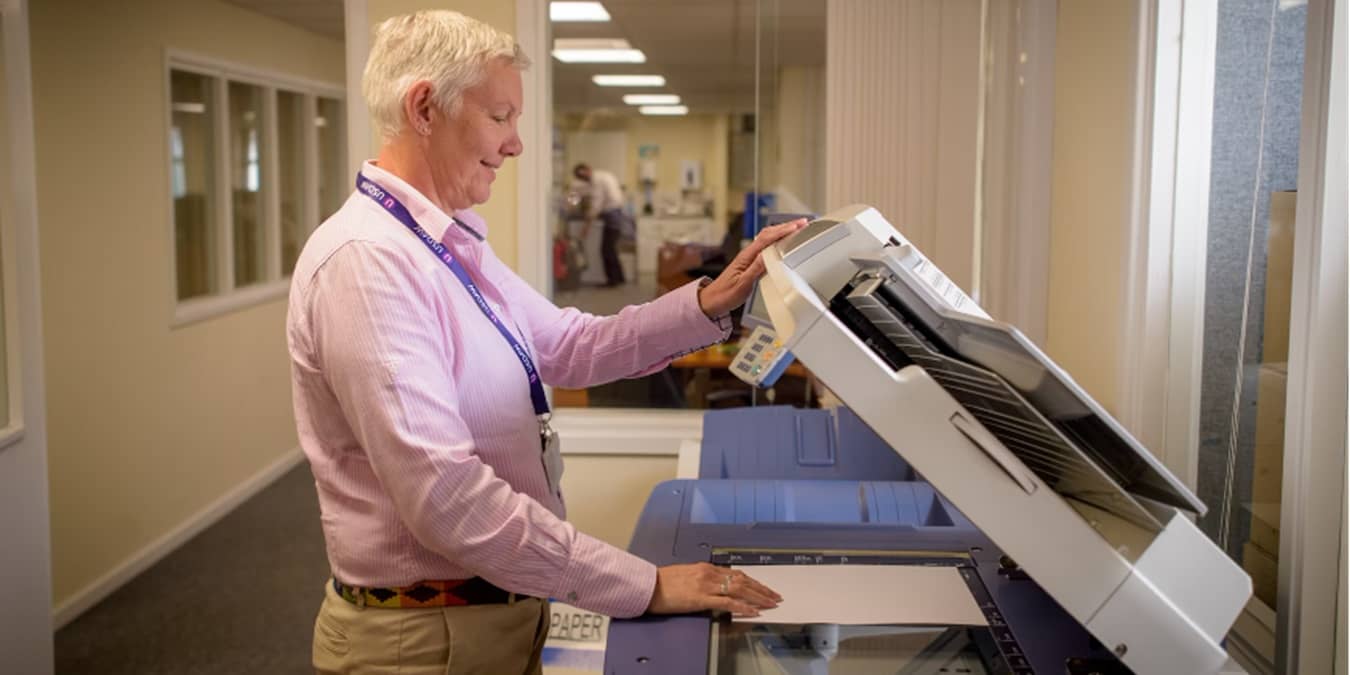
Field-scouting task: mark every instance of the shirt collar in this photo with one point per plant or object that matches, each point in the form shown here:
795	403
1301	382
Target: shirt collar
438	224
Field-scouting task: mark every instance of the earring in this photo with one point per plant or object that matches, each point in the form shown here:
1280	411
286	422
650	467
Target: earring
424	129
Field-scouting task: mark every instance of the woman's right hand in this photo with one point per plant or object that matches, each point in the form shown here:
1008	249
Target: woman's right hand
681	589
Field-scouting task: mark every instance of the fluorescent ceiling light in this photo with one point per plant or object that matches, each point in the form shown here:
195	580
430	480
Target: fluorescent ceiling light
188	107
651	99
577	11
664	110
629	80
587	50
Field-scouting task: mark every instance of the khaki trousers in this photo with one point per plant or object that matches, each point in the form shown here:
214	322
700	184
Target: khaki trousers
496	639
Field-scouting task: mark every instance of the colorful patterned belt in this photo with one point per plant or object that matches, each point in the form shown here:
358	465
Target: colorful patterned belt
453	593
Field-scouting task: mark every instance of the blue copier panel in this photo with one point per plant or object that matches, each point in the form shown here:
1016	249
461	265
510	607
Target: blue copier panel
786	486
788	443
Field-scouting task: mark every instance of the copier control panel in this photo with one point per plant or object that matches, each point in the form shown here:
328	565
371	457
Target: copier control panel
762	359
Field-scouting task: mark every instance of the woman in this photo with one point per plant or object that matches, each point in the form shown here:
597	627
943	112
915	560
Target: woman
418	360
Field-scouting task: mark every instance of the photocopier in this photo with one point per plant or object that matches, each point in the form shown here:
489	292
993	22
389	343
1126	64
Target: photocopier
960	448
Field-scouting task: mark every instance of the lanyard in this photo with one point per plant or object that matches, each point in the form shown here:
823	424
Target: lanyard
400	213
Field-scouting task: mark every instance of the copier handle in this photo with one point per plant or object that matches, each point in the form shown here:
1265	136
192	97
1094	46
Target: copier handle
996	451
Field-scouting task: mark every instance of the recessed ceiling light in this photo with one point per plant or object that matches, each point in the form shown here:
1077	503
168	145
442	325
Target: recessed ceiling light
586	50
664	110
577	11
651	99
629	80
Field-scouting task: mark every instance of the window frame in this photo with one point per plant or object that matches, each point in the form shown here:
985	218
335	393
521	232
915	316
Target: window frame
1168	248
231	298
18	232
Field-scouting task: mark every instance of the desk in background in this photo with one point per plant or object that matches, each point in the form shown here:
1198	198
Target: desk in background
652	231
707	371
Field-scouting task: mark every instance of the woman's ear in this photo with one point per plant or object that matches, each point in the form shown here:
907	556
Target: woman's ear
418	107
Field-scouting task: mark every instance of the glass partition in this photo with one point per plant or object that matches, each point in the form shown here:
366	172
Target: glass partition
1254	172
291	178
246	152
193	158
673	146
334	183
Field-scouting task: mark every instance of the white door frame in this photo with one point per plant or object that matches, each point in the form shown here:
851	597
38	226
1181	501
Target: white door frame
535	167
1165	311
26	628
1315	412
1166	249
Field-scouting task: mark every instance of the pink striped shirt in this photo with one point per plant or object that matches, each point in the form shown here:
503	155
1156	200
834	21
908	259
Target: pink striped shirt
416	417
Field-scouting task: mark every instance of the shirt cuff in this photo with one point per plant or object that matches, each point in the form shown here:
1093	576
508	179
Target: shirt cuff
722	321
605	579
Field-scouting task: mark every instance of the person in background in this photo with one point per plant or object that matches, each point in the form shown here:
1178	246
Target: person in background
418	360
607	205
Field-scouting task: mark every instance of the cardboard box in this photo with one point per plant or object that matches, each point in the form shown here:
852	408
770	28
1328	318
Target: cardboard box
1264	570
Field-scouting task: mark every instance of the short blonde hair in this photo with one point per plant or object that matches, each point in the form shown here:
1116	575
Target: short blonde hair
446	48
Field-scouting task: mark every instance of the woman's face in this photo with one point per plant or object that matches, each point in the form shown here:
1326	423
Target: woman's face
470	146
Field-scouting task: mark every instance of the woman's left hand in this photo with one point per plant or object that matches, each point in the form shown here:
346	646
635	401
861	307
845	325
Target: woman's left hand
730	289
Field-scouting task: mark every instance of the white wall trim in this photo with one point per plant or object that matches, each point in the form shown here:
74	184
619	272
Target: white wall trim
22	212
626	431
535	166
180	59
156	550
1190	239
1141	390
211	306
1316	407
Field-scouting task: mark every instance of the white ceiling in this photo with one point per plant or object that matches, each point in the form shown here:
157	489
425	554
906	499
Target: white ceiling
704	48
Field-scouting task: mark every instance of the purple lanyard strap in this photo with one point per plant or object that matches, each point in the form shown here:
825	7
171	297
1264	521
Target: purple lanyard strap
400	213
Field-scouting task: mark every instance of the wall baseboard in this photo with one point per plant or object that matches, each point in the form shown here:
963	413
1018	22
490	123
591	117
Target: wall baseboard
156	550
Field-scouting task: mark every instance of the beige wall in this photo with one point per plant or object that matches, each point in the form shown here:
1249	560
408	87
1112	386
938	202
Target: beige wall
500	209
1095	56
702	138
695	137
606	493
801	134
149	425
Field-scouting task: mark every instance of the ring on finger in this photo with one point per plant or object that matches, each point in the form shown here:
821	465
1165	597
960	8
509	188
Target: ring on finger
726	585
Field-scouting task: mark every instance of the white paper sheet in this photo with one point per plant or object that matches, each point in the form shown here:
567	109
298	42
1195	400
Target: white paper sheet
867	594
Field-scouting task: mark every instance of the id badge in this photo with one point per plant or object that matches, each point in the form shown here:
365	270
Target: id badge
553	462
